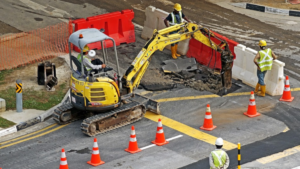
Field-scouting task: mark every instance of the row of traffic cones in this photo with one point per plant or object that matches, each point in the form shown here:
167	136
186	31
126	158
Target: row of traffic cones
95	159
251	112
132	147
160	136
159	139
208	122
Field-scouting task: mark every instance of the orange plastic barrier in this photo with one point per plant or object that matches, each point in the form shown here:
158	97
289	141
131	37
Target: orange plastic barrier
117	25
33	46
205	55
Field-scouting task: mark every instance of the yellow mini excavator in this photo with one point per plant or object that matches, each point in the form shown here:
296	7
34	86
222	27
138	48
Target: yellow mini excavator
107	100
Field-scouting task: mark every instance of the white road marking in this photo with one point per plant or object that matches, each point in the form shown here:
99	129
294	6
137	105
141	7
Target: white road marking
56	12
296	167
169	139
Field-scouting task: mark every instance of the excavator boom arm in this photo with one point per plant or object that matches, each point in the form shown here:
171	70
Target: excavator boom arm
159	41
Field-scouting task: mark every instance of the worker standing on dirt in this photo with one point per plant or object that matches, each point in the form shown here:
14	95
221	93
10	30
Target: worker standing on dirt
263	61
218	158
90	63
174	18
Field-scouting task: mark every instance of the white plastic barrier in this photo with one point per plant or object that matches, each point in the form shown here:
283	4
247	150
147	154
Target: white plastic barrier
155	20
238	71
244	69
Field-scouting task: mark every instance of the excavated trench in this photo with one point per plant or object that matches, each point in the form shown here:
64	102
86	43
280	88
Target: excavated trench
201	79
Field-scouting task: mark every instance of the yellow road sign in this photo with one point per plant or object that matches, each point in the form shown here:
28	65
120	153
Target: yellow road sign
18	87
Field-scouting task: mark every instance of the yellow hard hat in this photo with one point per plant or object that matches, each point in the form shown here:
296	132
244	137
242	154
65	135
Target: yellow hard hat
262	43
177	7
85	49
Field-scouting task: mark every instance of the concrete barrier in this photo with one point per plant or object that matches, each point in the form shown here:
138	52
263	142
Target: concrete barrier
155	20
244	69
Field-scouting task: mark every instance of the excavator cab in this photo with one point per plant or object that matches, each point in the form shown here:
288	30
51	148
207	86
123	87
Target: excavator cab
93	91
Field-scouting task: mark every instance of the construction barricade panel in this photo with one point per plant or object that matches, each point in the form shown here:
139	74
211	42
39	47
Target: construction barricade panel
117	25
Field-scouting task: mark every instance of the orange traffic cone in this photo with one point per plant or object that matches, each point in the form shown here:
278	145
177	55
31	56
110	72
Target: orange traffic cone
133	146
160	136
287	96
208	122
63	160
251	112
95	159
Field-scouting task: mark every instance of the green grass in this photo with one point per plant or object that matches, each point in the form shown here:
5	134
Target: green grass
3	74
5	123
41	100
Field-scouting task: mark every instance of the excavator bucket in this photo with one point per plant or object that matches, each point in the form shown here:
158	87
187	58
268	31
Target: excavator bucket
150	104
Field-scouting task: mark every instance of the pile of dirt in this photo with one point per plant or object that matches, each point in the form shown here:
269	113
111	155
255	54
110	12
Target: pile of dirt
155	80
272	3
201	79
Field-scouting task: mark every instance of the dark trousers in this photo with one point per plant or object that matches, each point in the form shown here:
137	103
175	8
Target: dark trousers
96	62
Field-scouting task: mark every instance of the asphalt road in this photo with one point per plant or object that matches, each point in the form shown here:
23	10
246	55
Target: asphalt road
260	137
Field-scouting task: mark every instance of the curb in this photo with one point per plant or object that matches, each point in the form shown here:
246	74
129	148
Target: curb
267	9
9	130
42	117
33	121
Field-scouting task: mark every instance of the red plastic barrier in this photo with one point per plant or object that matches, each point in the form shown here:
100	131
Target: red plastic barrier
205	55
117	25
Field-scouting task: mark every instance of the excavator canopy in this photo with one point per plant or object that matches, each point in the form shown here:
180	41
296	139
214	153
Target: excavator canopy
90	35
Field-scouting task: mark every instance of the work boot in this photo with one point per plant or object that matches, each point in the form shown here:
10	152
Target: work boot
173	50
263	91
257	88
176	46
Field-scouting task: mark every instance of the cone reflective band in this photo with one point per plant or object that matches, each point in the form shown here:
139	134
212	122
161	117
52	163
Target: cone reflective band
133	146
160	136
95	159
287	95
251	112
208	122
63	160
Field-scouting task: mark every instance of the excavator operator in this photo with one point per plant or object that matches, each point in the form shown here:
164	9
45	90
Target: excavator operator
174	18
90	63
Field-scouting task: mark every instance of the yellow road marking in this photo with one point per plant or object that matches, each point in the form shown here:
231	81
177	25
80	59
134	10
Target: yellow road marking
29	134
286	130
238	94
188	130
36	136
277	156
295	89
187	98
208	96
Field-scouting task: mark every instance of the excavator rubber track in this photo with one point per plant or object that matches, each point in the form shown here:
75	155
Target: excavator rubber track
96	124
65	109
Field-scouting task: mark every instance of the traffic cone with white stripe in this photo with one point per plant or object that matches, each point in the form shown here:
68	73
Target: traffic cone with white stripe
287	95
251	112
63	160
208	122
160	136
95	159
133	146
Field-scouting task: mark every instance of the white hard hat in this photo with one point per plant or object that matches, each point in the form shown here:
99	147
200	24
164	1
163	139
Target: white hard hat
92	53
219	141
